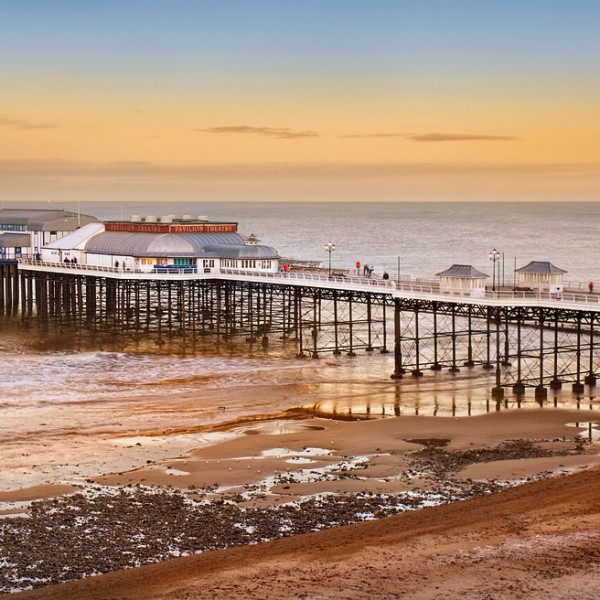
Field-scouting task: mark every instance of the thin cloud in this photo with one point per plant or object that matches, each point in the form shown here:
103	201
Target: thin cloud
459	137
435	137
24	124
282	133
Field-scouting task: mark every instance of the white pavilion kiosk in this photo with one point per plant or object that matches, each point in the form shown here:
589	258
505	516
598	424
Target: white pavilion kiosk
464	280
542	276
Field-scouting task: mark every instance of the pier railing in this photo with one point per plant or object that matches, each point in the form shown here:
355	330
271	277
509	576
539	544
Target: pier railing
572	295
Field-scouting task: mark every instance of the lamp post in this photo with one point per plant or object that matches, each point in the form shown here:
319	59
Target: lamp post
330	247
494	255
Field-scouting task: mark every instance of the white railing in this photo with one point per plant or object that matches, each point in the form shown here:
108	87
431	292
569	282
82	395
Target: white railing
170	270
573	294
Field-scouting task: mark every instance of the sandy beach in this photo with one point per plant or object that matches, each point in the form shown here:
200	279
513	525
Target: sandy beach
432	492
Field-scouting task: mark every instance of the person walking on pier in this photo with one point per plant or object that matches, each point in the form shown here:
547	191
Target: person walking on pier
386	275
591	286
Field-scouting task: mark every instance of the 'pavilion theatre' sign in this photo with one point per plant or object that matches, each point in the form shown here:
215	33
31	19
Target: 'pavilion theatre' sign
172	227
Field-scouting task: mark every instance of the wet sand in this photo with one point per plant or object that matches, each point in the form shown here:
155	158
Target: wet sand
434	552
271	449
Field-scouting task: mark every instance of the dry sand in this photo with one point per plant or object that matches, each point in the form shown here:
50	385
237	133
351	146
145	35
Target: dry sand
537	540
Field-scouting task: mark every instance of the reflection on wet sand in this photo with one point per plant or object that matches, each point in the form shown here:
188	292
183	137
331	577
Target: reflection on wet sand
441	397
73	405
590	430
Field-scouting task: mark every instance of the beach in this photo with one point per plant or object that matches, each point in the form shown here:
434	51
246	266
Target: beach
136	467
299	300
431	491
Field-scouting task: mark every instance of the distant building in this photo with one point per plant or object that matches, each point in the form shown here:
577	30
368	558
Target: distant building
540	275
151	244
25	231
462	279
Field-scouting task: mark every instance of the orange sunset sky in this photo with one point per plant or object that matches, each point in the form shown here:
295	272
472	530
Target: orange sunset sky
299	100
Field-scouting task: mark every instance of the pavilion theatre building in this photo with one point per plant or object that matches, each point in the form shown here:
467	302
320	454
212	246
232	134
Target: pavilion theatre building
150	244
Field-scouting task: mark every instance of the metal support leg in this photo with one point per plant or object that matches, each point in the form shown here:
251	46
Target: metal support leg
398	370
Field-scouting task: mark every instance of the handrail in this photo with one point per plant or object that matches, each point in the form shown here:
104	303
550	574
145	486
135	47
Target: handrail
406	285
183	269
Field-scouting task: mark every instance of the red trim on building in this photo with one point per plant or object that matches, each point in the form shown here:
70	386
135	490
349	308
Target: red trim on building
172	227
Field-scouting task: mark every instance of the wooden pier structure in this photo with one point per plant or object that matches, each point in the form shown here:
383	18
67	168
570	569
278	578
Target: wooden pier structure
536	340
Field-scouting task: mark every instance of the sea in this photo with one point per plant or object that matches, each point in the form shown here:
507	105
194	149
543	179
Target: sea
70	404
423	238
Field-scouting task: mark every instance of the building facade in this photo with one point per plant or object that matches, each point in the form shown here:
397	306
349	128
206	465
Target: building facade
163	245
23	232
541	275
462	279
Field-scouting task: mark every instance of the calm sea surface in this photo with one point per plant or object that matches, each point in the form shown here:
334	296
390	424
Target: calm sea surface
65	395
427	237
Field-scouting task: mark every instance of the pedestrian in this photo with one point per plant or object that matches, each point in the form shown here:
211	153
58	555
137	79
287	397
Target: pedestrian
385	275
366	270
591	286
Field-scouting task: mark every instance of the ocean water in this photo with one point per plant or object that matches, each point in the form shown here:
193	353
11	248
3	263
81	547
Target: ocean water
425	238
70	404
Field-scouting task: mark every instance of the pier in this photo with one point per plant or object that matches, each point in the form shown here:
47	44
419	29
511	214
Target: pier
530	339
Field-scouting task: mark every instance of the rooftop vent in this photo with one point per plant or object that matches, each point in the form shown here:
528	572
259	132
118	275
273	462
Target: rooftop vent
166	219
203	218
135	218
150	219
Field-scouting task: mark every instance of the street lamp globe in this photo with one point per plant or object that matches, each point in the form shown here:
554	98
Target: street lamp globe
494	256
329	247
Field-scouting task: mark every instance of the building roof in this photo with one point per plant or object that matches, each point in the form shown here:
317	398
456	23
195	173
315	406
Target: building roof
15	240
77	239
252	252
159	245
543	267
44	220
462	272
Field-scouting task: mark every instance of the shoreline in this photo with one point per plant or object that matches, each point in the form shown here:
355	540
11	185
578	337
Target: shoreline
259	478
240	443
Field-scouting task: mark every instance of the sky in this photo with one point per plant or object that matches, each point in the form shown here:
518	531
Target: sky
278	100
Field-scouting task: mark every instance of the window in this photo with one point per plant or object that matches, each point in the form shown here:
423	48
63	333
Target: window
208	263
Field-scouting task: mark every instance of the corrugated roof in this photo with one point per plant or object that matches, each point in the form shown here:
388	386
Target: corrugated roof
251	252
15	240
543	267
462	272
44	220
158	246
